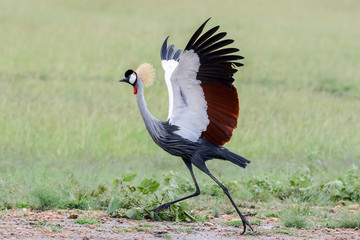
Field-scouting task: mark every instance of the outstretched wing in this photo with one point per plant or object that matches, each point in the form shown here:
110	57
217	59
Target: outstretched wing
203	101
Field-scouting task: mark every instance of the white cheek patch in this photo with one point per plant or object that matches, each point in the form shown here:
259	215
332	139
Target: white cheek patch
132	78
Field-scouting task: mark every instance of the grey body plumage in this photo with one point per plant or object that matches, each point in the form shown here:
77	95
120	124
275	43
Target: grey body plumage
162	132
215	67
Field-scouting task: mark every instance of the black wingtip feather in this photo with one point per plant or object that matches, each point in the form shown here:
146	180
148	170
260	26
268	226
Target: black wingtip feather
224	59
237	64
216	46
220	52
195	36
212	40
169	53
217	63
204	37
163	52
177	53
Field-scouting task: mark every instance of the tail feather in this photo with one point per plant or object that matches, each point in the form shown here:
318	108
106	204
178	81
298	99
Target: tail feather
234	158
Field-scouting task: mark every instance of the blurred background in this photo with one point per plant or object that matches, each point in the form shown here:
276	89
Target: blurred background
63	114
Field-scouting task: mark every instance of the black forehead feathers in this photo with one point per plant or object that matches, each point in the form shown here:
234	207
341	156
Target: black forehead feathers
128	72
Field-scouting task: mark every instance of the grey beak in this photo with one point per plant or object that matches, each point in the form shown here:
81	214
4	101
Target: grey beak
124	80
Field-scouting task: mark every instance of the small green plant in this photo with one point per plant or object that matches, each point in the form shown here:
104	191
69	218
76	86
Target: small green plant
256	222
264	186
272	214
350	221
234	223
44	224
344	220
38	224
134	201
215	210
344	187
200	218
126	229
45	198
55	229
295	218
100	229
295	221
148	225
253	233
87	220
184	229
168	237
78	204
118	230
285	230
252	214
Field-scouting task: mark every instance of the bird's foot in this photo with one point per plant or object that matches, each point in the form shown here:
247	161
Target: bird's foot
161	207
246	223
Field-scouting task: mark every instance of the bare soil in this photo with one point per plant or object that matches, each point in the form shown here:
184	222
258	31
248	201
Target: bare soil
65	224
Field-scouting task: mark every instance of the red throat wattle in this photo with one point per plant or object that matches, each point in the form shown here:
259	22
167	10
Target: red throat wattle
135	90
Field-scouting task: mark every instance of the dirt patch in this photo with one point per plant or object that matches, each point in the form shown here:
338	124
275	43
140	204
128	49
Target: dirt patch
86	225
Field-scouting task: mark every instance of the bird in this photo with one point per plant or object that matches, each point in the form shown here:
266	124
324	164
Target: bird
203	104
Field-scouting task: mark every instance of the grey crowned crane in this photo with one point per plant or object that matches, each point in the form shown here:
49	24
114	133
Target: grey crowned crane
203	104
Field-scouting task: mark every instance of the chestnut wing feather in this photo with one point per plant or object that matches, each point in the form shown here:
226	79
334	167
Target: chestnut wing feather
217	66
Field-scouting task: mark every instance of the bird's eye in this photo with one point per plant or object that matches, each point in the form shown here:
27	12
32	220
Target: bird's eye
132	78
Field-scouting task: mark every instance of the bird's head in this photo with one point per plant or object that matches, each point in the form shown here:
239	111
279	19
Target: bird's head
145	72
131	78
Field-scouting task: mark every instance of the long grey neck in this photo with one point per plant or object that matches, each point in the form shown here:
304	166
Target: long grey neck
153	125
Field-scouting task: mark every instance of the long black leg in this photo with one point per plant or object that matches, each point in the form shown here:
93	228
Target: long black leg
197	192
226	191
199	163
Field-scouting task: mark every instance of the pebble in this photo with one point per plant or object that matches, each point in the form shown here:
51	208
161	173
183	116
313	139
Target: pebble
334	209
273	219
73	216
354	207
91	226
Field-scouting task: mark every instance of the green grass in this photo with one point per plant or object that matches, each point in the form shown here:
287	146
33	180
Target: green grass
294	219
184	229
235	223
44	224
87	220
272	214
344	220
68	128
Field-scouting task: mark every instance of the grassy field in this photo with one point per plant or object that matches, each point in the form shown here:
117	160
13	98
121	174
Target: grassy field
67	126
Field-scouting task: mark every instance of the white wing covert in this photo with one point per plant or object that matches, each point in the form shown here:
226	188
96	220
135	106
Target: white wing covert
203	102
187	105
